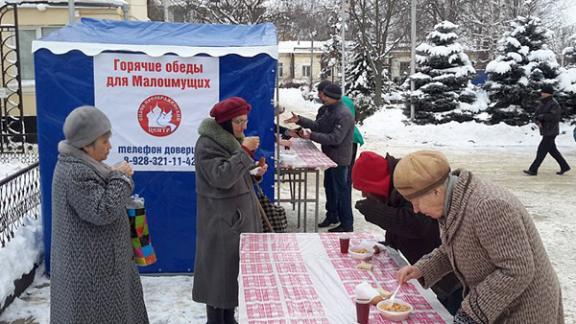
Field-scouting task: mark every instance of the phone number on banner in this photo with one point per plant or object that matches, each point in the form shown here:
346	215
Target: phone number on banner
160	160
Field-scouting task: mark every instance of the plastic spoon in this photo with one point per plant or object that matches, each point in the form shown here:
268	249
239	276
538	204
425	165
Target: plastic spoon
391	299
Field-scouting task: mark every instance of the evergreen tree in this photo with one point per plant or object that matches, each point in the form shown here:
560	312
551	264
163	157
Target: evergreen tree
331	60
516	75
443	74
360	83
570	54
567	83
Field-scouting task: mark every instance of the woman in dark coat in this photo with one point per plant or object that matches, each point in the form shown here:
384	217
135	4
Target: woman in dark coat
94	278
226	206
413	234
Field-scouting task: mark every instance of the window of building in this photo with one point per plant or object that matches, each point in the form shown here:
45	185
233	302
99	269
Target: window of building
26	36
280	69
404	67
306	70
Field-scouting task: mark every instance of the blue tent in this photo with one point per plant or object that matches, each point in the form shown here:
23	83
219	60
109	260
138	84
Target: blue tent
89	63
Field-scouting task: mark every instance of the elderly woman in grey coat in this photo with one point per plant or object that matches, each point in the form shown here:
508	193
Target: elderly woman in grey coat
488	240
226	206
94	278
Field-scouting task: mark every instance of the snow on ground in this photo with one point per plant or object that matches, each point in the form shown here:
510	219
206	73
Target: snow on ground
10	168
20	254
498	153
10	163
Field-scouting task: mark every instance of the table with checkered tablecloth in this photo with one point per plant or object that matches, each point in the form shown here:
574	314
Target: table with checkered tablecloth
303	278
306	159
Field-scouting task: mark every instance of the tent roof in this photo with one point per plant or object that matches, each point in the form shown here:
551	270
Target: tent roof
93	36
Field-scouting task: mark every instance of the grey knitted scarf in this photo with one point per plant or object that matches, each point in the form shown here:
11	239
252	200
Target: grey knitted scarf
102	169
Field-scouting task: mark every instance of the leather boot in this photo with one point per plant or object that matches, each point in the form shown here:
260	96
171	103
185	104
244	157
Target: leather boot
229	316
214	315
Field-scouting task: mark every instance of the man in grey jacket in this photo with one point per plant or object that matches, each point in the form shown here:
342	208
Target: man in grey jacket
547	117
333	128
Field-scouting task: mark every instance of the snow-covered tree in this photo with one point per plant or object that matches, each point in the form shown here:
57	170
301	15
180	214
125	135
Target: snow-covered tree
331	60
570	54
444	71
567	82
360	83
516	75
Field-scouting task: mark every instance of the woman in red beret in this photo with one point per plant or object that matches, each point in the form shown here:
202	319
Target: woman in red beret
413	234
226	206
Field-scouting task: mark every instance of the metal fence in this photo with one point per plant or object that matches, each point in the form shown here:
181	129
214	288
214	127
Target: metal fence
19	198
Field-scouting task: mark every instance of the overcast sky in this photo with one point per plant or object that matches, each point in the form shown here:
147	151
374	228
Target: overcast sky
570	11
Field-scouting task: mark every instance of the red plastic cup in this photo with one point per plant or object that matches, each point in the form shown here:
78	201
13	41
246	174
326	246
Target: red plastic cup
344	244
362	311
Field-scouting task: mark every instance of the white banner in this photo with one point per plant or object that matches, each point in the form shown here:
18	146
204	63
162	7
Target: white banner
156	106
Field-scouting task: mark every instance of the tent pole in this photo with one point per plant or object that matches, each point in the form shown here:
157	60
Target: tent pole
277	130
71	11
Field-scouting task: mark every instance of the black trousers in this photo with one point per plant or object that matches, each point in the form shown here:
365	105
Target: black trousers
548	145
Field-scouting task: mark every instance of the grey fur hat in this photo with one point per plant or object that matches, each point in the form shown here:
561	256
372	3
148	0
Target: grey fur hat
84	125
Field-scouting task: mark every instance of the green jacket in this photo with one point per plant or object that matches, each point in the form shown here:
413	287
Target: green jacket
358	139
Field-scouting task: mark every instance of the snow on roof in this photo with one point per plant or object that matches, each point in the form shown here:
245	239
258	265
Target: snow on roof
287	47
26	3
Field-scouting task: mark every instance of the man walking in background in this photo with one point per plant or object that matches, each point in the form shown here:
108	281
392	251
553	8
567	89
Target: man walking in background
547	117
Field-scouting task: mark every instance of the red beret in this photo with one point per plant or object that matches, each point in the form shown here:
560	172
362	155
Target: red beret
230	108
370	174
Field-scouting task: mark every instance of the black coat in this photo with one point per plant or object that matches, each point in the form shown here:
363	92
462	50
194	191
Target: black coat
413	234
334	130
548	115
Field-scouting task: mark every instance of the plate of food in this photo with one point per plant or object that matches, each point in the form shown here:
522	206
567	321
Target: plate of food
360	252
398	310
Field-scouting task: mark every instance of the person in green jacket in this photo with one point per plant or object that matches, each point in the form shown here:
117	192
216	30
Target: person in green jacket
358	140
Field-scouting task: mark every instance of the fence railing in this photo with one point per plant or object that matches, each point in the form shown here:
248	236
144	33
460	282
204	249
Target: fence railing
19	198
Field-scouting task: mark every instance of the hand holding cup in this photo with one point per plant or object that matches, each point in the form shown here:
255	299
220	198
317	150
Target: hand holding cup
124	167
251	142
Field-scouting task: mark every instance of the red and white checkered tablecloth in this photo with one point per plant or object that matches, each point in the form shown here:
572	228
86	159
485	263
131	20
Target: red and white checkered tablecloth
307	156
303	278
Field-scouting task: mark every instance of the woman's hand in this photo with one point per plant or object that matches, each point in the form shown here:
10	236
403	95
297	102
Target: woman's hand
124	167
251	143
408	273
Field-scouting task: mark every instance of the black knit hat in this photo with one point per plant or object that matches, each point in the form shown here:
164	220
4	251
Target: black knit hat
323	85
333	91
547	88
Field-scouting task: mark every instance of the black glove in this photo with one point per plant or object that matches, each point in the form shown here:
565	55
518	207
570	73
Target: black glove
372	209
363	204
463	318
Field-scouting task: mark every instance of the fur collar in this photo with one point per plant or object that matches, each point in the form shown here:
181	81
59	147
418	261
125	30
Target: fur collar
211	129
